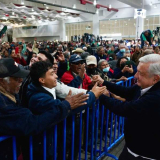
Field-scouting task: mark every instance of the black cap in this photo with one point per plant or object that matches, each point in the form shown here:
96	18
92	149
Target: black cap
11	69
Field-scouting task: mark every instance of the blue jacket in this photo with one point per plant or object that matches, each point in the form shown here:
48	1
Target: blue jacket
98	57
40	100
142	114
119	54
18	121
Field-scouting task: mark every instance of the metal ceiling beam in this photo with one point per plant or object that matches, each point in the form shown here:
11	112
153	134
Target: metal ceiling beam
68	4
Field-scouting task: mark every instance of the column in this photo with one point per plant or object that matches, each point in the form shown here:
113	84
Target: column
139	26
96	24
62	31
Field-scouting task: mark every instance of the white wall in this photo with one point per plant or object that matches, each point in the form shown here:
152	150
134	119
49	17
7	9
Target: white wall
55	29
31	39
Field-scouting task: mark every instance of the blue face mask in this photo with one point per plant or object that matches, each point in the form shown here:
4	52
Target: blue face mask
123	50
129	58
106	69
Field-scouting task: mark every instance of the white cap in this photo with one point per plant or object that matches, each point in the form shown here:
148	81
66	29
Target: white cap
91	60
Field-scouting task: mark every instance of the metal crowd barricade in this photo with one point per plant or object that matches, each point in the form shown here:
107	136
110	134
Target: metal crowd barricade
100	132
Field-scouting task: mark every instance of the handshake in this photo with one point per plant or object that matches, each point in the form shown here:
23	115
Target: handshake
79	99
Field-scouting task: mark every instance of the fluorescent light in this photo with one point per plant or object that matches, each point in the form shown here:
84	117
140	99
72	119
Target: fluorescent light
94	3
110	6
22	1
97	11
155	6
74	6
151	4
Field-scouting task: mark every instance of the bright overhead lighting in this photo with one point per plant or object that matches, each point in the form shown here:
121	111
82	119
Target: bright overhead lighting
110	6
74	6
12	13
94	3
151	4
22	1
47	7
155	6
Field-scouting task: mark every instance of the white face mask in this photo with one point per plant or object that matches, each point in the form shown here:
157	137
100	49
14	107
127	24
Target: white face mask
129	58
106	69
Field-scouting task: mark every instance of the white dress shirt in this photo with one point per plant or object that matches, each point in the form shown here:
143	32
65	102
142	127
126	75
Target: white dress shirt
52	91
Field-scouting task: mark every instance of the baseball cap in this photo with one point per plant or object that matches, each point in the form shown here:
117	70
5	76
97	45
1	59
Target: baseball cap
78	50
75	58
91	60
12	69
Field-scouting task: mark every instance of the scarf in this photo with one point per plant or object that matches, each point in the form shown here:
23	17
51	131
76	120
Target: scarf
8	95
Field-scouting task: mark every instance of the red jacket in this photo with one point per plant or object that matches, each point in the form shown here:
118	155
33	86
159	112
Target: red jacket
68	77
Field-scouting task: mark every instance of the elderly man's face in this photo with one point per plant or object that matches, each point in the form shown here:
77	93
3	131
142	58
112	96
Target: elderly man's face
76	67
12	85
144	79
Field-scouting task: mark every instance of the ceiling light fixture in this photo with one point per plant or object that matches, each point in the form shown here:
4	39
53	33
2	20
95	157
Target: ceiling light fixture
22	1
74	6
155	6
97	11
94	3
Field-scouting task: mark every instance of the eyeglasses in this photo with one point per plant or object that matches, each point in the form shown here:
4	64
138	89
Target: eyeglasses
77	63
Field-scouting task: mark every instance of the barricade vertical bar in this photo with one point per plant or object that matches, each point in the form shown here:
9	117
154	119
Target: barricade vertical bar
106	135
101	136
44	145
64	139
115	128
92	138
55	143
110	140
97	121
14	148
80	136
87	129
73	135
122	125
119	124
30	148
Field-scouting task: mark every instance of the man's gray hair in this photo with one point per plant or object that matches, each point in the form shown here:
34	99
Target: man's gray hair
100	62
154	60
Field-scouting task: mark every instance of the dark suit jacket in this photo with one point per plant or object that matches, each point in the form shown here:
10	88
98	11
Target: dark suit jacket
142	124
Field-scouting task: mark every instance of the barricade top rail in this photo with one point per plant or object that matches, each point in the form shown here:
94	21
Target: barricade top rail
126	81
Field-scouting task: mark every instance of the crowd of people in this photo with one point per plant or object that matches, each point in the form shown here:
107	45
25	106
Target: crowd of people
42	83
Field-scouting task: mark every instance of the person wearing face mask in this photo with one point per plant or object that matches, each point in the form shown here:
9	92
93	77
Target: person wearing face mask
107	70
122	49
105	67
127	55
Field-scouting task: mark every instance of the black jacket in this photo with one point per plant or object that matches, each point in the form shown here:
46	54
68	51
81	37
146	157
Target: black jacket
142	129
